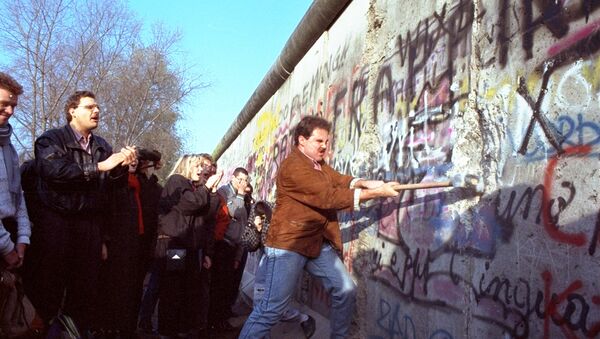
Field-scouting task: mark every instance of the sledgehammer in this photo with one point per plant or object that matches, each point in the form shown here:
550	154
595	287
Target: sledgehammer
469	181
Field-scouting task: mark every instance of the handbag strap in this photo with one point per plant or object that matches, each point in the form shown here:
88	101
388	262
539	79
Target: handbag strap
69	326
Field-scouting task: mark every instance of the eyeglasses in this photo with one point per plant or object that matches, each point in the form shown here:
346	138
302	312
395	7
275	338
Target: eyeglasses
90	107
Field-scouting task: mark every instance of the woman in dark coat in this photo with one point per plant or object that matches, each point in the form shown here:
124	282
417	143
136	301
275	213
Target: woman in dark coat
187	209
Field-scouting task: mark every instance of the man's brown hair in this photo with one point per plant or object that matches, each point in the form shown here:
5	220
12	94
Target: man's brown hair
10	84
307	125
73	101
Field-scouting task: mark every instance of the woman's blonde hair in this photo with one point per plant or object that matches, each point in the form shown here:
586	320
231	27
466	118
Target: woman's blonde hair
184	165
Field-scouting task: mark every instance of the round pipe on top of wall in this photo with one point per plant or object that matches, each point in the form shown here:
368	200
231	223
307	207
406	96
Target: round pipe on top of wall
319	17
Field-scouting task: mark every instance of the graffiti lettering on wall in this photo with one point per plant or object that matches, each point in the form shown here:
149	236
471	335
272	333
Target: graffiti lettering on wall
417	91
553	137
579	49
311	100
418	267
269	148
570	48
580	131
427	277
573	95
348	113
532	16
429	52
394	324
549	209
500	301
550	221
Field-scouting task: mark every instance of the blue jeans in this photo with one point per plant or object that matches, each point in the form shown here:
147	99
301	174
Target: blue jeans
283	269
291	314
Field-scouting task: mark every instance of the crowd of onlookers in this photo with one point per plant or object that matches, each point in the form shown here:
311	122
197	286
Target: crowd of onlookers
85	228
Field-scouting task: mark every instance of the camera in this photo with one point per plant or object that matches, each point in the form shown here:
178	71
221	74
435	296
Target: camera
148	155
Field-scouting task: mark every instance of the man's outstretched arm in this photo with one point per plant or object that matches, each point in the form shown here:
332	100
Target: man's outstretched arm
371	189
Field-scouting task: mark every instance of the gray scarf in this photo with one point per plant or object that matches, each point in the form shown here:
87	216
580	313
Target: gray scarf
10	159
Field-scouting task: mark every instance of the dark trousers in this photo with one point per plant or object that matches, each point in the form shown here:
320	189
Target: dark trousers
237	275
183	297
222	290
150	297
121	284
63	261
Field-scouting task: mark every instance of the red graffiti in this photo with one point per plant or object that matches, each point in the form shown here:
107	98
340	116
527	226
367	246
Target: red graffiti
551	311
577	239
330	95
573	38
552	302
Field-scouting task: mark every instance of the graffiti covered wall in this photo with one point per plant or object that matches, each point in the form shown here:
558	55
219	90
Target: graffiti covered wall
506	91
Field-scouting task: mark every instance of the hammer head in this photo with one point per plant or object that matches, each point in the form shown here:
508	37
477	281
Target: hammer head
469	181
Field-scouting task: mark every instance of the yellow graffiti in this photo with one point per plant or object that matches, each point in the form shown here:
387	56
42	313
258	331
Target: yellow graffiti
533	82
266	125
493	92
591	72
464	88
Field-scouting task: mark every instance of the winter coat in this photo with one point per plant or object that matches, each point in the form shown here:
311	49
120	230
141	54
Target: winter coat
252	238
236	206
186	215
68	177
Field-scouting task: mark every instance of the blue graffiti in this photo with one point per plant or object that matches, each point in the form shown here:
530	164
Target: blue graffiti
397	325
441	334
581	132
576	131
394	325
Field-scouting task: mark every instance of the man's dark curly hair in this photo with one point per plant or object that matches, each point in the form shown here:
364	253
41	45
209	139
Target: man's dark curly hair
10	84
307	125
74	99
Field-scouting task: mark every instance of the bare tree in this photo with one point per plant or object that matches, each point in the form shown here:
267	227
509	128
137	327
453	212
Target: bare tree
145	93
55	47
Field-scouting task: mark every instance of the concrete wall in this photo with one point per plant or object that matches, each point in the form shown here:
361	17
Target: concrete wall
425	90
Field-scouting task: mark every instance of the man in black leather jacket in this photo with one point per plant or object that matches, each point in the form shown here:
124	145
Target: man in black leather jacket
74	169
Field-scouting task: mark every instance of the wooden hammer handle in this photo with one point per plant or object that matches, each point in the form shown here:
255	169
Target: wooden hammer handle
423	185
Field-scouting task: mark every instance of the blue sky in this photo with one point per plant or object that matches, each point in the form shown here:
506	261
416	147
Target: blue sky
232	44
